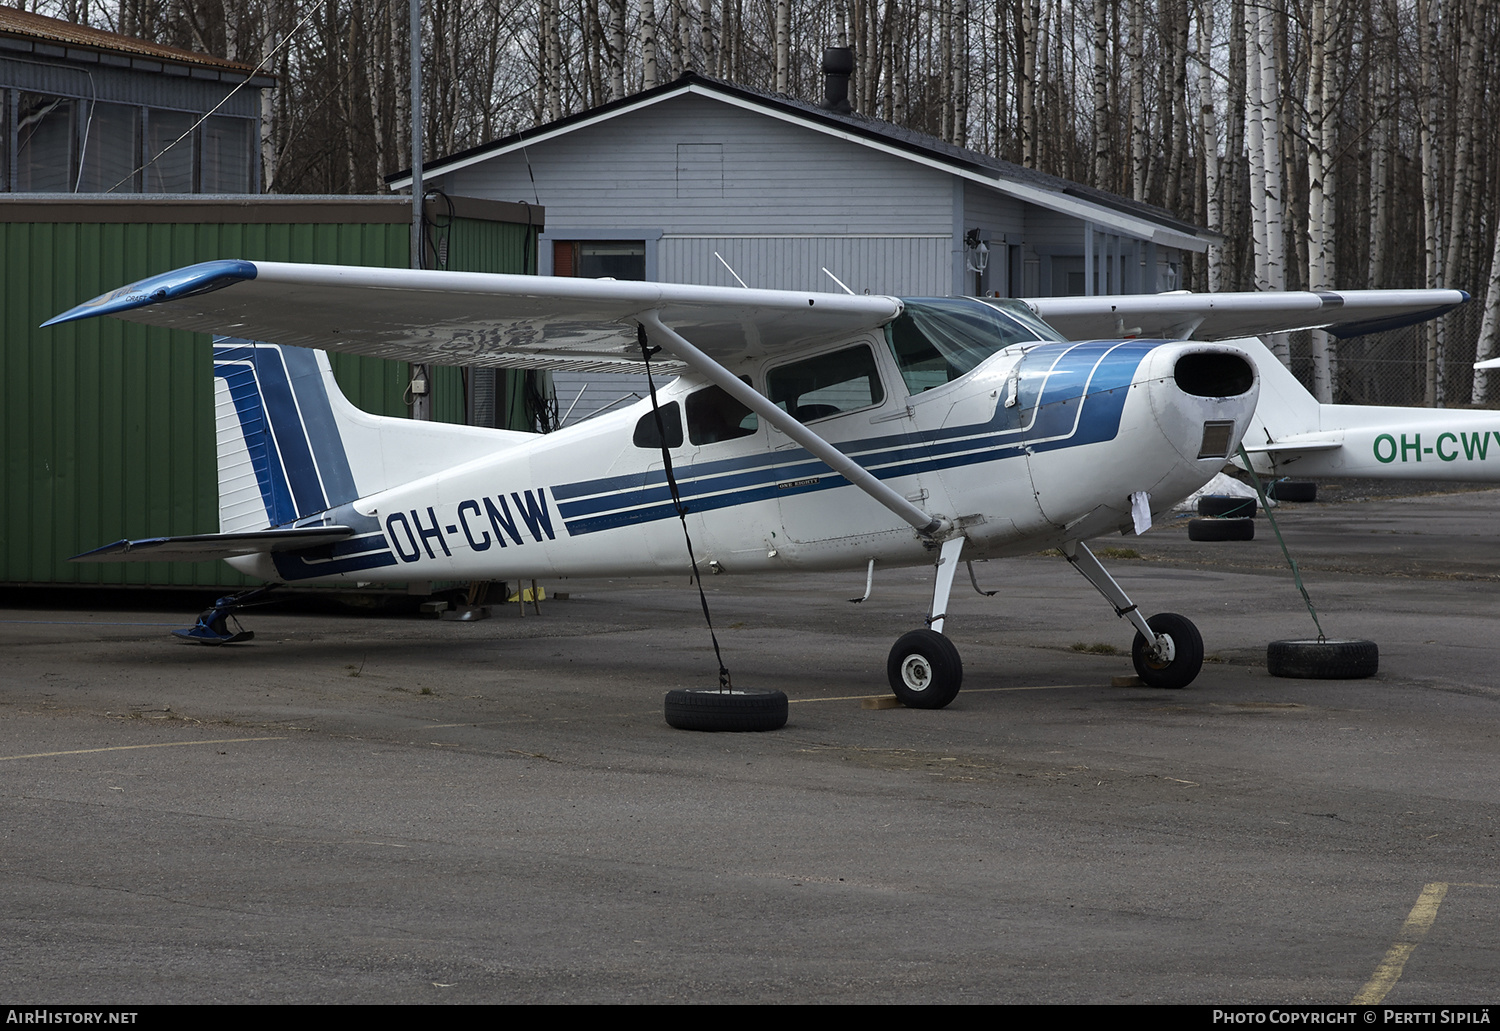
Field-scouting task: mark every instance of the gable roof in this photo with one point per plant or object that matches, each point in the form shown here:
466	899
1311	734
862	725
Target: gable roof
1128	217
22	31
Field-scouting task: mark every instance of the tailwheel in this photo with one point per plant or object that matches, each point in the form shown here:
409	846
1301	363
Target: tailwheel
924	670
1174	658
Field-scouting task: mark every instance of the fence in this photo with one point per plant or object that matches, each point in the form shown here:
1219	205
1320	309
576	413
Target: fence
1391	368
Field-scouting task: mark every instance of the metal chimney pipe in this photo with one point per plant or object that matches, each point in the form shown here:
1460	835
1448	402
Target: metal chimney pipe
838	65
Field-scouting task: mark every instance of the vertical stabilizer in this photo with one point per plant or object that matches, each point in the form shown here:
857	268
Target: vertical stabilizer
291	445
281	455
1286	408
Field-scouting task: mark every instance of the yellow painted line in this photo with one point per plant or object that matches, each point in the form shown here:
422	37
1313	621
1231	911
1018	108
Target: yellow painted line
126	748
965	691
1418	921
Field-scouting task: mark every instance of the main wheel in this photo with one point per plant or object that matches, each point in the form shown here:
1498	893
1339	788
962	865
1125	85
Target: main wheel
1323	660
707	709
924	670
1186	652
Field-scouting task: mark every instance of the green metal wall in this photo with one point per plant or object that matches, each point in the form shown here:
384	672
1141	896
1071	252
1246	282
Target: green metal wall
107	427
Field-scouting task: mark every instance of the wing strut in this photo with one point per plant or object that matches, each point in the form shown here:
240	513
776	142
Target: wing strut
924	523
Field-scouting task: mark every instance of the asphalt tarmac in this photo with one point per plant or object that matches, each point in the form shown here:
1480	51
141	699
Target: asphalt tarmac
394	809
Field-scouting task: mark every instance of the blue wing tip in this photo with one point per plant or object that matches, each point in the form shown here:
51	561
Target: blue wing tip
168	286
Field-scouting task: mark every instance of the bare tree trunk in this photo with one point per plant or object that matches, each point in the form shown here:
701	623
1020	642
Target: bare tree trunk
1030	16
1101	95
1489	328
1317	239
1427	28
1137	64
1208	133
615	41
648	44
705	37
783	44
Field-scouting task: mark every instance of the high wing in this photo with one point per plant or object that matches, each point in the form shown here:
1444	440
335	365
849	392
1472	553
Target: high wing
502	321
480	319
1182	315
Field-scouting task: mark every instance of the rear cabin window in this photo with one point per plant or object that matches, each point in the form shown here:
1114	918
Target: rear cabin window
827	385
648	435
712	416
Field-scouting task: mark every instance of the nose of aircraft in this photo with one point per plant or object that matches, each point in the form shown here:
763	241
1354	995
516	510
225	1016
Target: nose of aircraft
1202	396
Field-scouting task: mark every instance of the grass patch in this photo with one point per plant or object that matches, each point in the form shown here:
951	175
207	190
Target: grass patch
1050	553
1097	648
1119	553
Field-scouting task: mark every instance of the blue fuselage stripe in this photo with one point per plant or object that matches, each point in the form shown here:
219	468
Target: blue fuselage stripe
1085	386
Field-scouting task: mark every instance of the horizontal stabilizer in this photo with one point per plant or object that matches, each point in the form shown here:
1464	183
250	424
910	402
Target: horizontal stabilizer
1289	444
204	546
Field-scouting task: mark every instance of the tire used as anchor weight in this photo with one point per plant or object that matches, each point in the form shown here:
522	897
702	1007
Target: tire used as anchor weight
1323	660
709	709
924	670
1236	528
1187	652
1227	505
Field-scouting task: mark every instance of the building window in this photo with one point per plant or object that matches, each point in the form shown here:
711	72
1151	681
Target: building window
227	153
600	259
111	150
44	143
170	151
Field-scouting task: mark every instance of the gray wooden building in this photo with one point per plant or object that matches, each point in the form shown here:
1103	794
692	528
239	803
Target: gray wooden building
89	111
664	184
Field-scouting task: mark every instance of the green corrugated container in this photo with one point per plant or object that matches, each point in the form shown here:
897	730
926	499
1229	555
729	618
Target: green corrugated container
107	428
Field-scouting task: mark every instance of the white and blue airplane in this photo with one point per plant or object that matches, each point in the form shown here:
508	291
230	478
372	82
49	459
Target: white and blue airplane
803	431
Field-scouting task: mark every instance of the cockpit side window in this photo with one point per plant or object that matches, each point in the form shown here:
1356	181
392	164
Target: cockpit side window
816	388
712	416
648	436
935	341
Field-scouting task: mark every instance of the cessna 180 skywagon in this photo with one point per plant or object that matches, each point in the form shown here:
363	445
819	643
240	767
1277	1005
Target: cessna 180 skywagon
805	431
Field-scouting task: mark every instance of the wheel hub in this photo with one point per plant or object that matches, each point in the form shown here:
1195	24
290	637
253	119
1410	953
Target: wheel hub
1162	651
916	672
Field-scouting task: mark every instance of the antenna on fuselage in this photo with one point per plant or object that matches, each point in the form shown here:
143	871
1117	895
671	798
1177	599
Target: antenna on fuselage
732	272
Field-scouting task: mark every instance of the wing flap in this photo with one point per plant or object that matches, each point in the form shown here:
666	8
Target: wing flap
205	546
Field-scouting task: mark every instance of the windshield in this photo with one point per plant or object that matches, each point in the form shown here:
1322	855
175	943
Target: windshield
937	340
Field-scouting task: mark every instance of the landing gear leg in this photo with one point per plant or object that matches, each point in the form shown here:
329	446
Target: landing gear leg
213	624
924	669
1168	650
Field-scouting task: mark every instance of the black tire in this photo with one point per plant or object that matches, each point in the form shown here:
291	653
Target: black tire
1292	490
709	709
1186	661
1242	529
924	670
1224	505
1323	660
